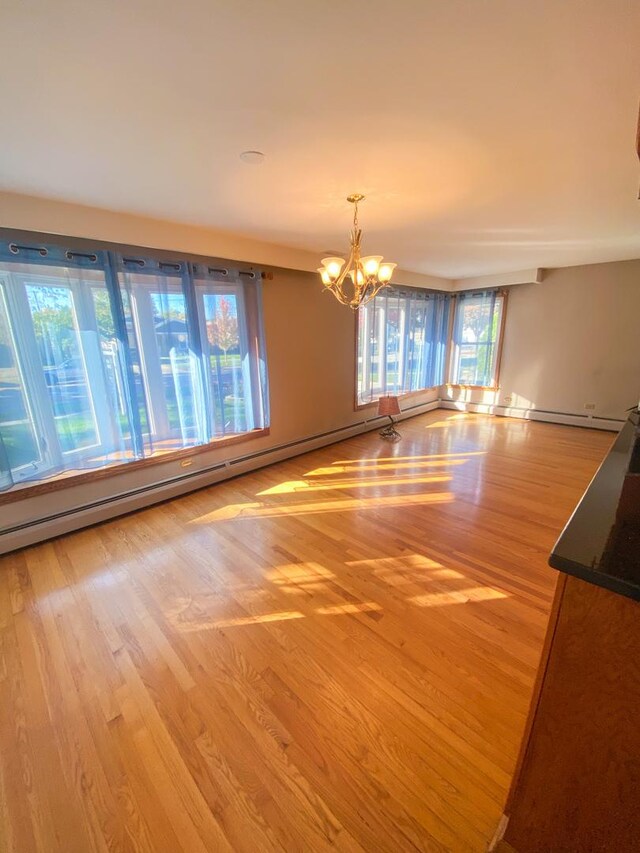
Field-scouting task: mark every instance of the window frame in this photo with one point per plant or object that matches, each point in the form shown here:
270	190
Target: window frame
504	294
402	395
86	248
36	417
40	406
205	287
141	287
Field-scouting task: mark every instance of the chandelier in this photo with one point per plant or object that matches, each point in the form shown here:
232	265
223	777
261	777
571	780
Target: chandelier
368	275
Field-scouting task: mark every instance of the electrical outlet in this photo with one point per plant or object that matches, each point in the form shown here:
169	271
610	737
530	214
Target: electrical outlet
507	400
590	406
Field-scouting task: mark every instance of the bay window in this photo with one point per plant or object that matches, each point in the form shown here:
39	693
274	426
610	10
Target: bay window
402	342
107	358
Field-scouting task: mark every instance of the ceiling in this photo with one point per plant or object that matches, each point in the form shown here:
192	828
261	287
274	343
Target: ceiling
488	135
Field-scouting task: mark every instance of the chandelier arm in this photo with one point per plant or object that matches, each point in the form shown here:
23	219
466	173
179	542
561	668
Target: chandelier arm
365	296
342	296
352	265
375	292
345	272
359	280
338	291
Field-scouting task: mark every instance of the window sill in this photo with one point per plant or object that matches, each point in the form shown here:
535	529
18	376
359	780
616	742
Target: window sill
24	491
410	395
474	387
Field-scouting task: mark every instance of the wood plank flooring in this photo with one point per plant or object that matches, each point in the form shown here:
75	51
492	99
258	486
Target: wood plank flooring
336	652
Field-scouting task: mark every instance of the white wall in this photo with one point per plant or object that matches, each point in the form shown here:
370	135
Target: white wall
571	340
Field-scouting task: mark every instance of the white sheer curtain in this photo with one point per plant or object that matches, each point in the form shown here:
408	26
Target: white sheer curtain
62	389
106	358
402	342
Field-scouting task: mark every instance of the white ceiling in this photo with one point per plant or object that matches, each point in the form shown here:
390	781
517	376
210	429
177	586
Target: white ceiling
488	135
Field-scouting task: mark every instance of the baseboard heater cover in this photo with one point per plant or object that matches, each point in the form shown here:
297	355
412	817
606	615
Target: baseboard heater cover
65	521
547	415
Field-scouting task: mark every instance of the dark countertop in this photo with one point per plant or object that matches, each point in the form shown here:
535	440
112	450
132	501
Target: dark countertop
601	542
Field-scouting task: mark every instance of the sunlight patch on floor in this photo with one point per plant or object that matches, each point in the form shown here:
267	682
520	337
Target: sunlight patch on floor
293	486
338	609
208	624
385	466
470	595
249	620
458	596
412	569
403	561
257	510
446	422
297	578
405	458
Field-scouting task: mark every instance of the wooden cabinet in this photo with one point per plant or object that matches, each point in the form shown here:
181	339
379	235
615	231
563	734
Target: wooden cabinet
577	783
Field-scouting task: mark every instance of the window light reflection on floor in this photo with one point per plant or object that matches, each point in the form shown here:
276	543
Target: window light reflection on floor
301	579
467	595
384	466
291	486
257	510
458	596
401	562
405	458
339	609
300	574
246	620
392	473
411	569
447	421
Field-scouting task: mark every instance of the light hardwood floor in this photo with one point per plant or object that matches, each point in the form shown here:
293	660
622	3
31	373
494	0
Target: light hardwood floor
336	652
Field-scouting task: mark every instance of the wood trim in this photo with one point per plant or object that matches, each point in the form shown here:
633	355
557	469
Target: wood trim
408	395
25	491
474	387
505	303
448	357
504	847
537	688
503	321
356	405
498	844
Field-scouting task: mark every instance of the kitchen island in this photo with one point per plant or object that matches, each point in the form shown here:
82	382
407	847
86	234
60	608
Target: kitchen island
577	782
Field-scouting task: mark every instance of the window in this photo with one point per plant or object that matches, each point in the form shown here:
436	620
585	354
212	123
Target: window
402	341
106	358
476	334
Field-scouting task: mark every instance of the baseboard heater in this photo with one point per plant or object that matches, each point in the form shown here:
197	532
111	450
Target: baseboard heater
546	415
560	414
111	506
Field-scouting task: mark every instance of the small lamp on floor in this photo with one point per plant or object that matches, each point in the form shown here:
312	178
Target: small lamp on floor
388	407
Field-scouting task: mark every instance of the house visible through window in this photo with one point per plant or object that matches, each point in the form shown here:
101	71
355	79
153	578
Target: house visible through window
402	342
476	335
106	359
